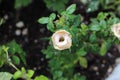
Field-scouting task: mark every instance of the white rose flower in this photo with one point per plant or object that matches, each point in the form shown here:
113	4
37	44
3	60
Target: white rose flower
61	40
116	30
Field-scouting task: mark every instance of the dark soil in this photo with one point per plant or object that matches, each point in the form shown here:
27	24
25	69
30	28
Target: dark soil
31	42
98	67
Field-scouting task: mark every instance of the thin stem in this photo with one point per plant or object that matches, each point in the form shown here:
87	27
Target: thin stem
13	66
10	63
7	56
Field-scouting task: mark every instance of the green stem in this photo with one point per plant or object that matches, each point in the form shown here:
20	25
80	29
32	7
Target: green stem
13	66
10	63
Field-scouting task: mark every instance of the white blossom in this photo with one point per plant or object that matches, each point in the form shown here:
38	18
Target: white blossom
61	40
116	30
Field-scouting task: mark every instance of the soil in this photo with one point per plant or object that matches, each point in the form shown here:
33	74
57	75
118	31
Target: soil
29	36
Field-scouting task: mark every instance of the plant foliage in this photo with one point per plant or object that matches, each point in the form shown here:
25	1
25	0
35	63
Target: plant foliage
56	5
93	38
22	3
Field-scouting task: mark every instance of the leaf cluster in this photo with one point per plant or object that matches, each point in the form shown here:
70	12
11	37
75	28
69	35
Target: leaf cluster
27	75
102	5
86	39
21	74
21	3
56	5
12	52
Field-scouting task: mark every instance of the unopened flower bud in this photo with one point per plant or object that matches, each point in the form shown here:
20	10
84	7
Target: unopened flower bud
116	30
61	40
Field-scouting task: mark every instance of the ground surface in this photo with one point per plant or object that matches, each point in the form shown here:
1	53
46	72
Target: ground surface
30	33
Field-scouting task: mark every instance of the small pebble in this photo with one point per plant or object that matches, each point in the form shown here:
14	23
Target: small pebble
103	61
117	61
35	41
109	70
35	68
25	31
97	73
19	24
42	30
26	39
109	54
39	68
18	32
6	17
114	49
10	27
118	47
42	59
102	65
95	68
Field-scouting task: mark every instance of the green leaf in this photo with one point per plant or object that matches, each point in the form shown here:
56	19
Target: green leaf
1	21
83	62
41	77
84	29
16	59
84	1
94	47
56	5
79	77
15	48
1	62
1	50
2	57
76	76
103	49
118	9
113	21
81	52
92	6
17	74
26	2
5	48
50	26
52	16
82	77
57	74
94	27
18	4
30	73
103	24
5	76
102	16
93	38
71	9
23	70
75	20
43	20
49	52
84	26
23	57
21	3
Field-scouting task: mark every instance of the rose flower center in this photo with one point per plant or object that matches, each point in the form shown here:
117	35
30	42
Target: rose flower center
61	39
